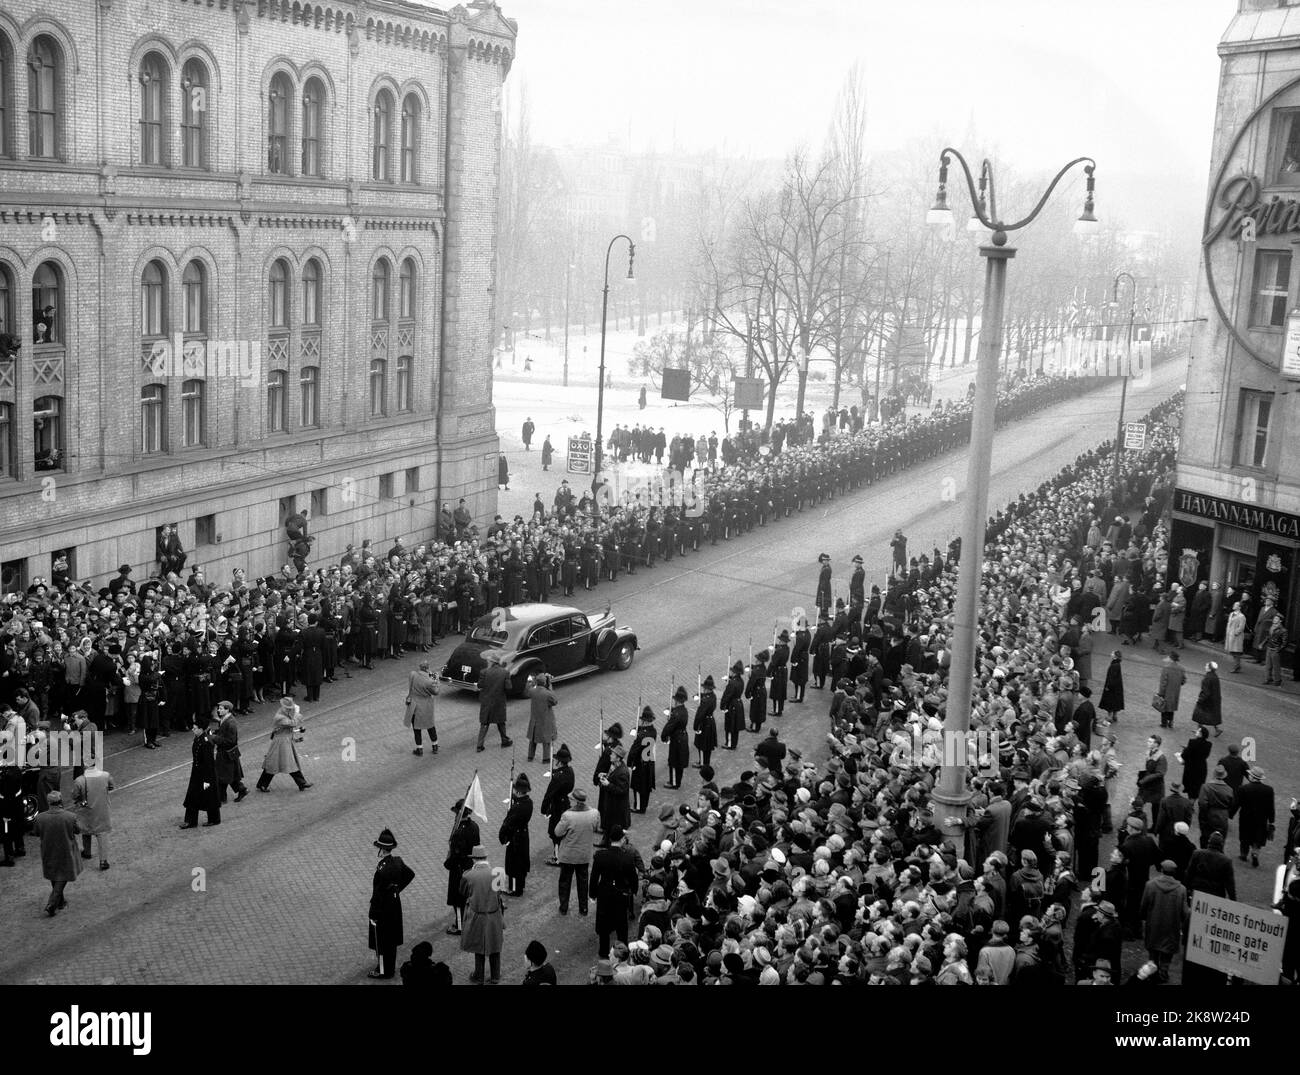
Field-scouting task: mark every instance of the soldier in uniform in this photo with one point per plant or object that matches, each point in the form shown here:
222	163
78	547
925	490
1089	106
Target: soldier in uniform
778	670
799	660
676	735
705	724
733	706
756	692
391	876
822	599
556	799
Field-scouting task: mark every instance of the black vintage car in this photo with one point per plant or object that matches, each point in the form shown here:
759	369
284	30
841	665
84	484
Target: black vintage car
533	638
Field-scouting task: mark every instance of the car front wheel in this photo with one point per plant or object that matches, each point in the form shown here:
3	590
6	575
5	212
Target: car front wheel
623	656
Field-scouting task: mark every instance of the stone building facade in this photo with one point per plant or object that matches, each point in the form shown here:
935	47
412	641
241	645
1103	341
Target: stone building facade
246	270
1236	508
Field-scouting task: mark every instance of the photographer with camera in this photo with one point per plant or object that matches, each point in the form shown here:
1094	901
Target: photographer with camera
282	755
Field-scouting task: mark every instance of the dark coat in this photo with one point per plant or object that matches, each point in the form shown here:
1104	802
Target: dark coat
311	662
1209	704
1196	756
756	692
613	883
1255	813
556	799
675	734
1164	910
1211	872
641	761
514	836
492	684
733	705
459	848
778	670
202	792
704	724
228	767
822	599
616	805
799	657
391	876
1112	694
1214	806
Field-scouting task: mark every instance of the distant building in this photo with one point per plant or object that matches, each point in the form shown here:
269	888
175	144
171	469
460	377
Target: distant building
1236	511
246	265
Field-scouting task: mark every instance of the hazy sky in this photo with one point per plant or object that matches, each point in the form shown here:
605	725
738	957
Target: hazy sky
1129	82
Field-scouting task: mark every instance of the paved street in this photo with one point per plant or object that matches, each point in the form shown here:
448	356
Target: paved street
278	892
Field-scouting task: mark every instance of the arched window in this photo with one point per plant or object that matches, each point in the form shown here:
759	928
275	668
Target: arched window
192	413
6	96
410	137
6	302
194	283
47	433
47	306
275	401
405	402
153	94
311	292
194	115
309	394
379	290
153	419
278	299
6	440
406	289
277	126
313	101
153	300
378	388
44	98
382	137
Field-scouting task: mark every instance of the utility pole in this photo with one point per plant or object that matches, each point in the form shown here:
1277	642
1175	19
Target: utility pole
1128	361
568	271
880	337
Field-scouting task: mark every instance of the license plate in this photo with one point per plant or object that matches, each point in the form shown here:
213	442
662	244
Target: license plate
465	669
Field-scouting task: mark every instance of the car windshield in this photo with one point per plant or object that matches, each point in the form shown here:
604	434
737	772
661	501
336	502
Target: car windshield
484	633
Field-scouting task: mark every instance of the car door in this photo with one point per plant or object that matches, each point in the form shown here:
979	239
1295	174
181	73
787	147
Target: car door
539	643
580	640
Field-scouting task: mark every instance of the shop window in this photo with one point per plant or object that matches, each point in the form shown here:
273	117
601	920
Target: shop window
1272	288
1255	411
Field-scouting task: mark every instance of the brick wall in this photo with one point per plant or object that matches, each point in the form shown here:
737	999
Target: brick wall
111	216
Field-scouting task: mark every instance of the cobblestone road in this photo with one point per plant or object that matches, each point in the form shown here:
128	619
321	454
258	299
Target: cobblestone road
278	892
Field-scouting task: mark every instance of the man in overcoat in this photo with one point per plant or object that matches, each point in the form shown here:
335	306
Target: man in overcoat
485	926
57	829
613	883
202	792
230	772
421	689
391	876
493	682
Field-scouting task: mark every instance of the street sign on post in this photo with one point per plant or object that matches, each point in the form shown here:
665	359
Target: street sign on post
1235	938
579	459
676	385
1135	436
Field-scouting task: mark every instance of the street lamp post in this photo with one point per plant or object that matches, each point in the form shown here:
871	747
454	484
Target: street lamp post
953	792
1128	365
568	271
600	390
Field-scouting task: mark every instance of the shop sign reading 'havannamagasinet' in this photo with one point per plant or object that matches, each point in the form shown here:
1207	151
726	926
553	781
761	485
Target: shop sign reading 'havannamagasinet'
1234	513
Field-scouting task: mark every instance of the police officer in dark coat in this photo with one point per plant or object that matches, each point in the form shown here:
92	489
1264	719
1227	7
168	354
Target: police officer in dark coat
613	883
858	584
514	834
391	876
676	734
311	660
778	670
464	838
556	799
823	598
733	706
820	646
799	661
202	792
756	692
705	724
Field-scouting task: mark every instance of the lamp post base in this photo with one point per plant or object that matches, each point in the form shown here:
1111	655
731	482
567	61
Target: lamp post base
955	807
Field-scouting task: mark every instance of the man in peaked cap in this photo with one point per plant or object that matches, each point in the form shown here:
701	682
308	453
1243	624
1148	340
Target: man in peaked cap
823	597
391	876
858	583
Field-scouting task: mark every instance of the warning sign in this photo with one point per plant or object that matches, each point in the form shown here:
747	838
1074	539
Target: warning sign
1135	436
1236	939
579	460
748	392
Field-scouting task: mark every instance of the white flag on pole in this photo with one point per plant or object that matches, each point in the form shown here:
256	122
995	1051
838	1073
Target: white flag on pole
474	800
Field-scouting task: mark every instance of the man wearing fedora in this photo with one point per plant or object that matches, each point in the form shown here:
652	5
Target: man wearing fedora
493	681
613	883
575	836
1255	814
485	925
858	584
391	876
